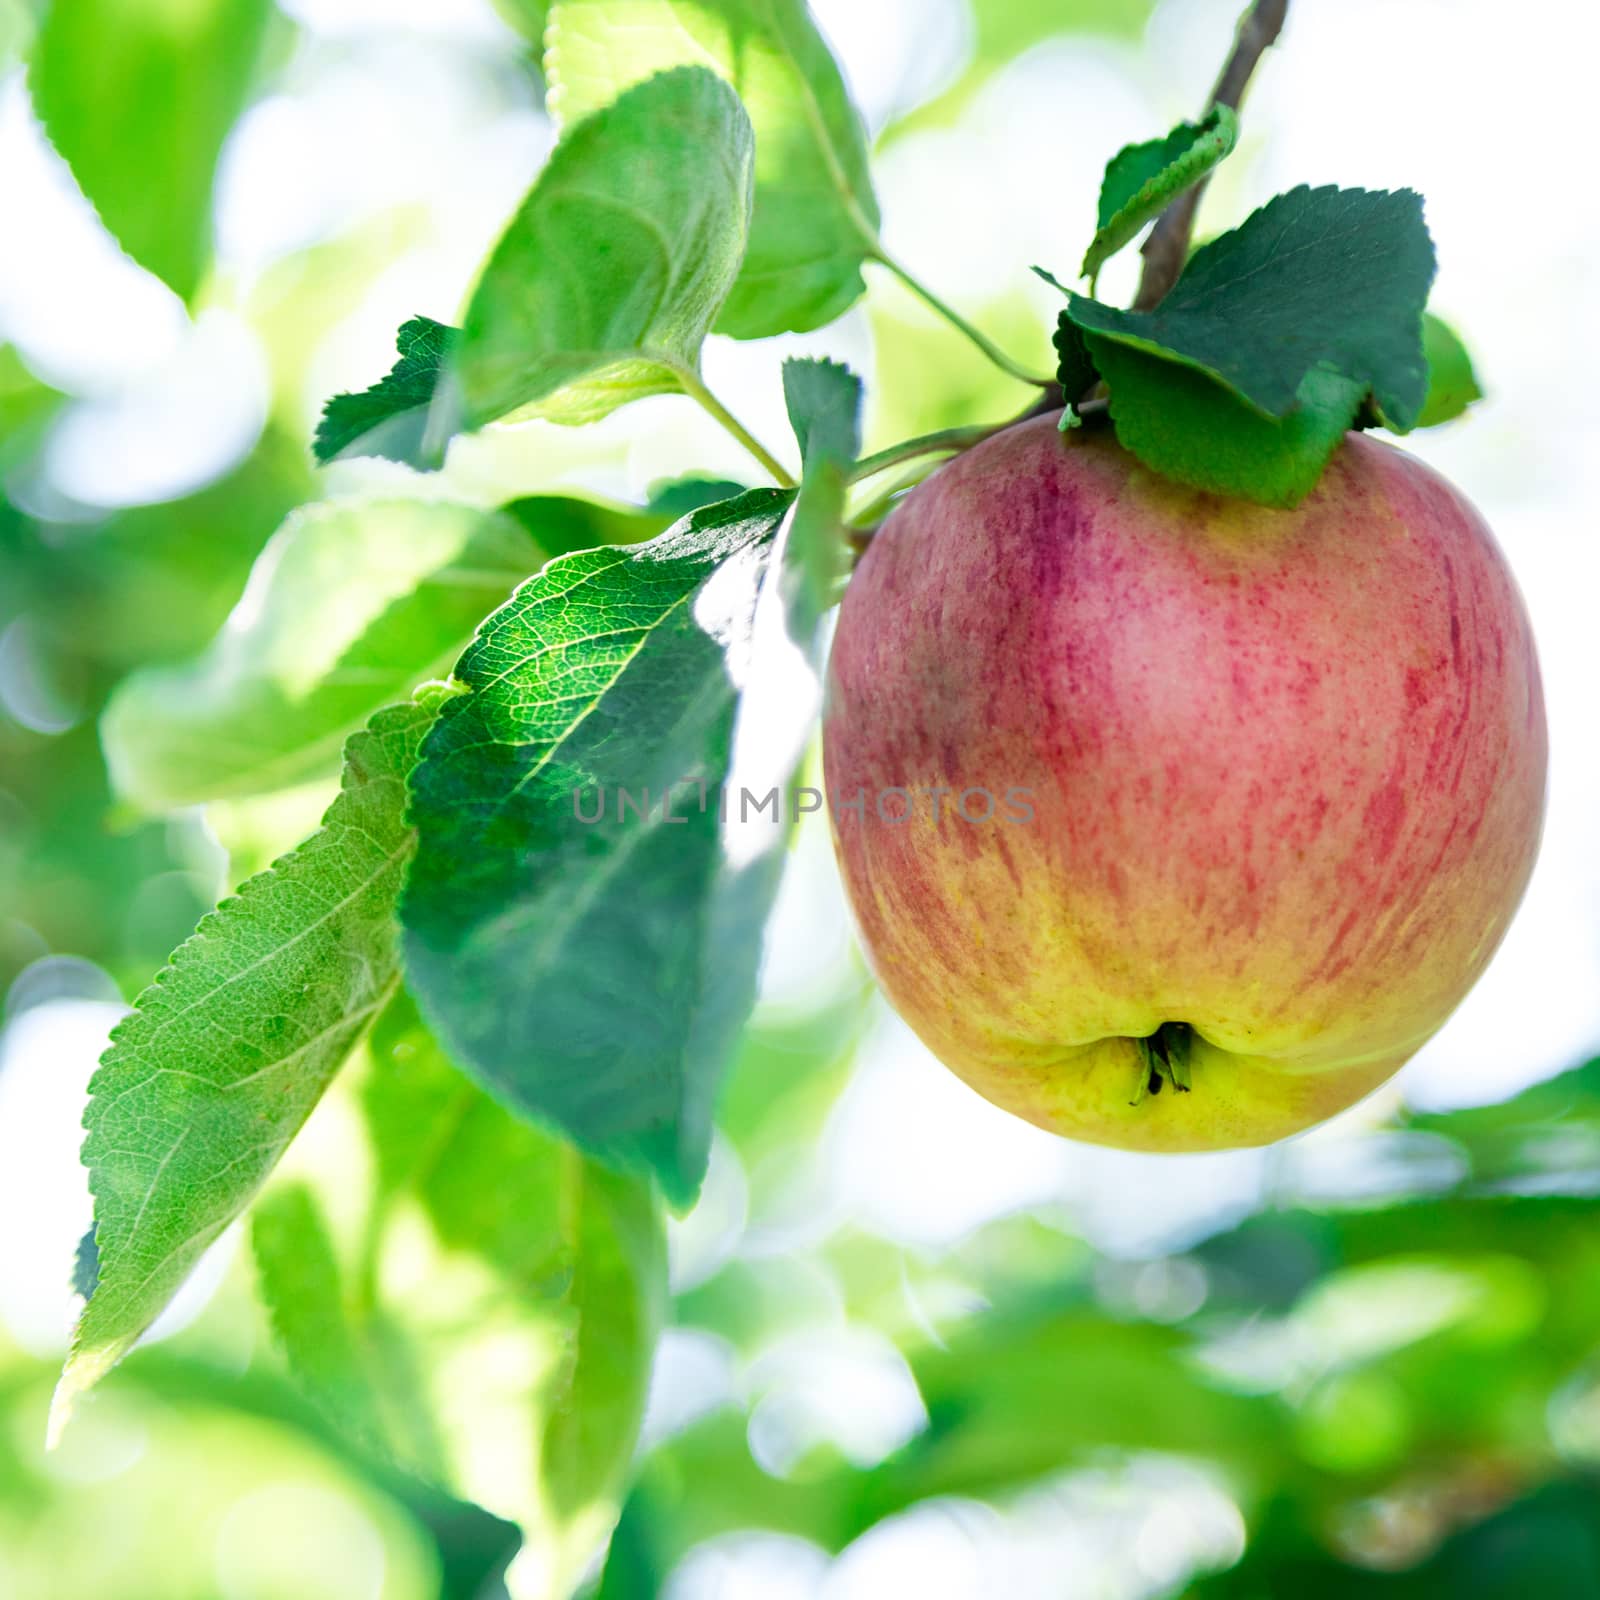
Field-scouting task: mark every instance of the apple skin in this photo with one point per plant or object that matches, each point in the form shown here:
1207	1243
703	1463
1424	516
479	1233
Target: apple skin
1287	769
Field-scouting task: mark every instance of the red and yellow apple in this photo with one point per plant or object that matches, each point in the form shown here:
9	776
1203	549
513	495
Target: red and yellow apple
1127	756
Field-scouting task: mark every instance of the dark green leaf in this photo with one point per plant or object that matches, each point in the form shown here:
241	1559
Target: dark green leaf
677	497
521	1387
815	217
824	404
1188	427
1330	278
1076	371
1452	384
352	605
85	1266
1546	1544
1143	179
391	418
224	1056
559	524
609	278
593	975
138	98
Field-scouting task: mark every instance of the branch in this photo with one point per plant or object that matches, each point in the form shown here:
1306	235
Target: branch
1167	248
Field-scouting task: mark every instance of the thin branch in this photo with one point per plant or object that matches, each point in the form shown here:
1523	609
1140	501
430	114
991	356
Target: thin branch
1165	251
1167	248
719	413
948	441
956	320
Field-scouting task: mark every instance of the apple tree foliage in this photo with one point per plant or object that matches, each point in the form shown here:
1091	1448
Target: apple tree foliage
545	1006
95	58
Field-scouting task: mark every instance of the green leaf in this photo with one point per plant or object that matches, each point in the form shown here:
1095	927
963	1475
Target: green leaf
677	497
528	17
138	98
85	1266
522	1387
1543	1542
351	605
1328	277
824	403
315	1321
224	1056
1190	428
1142	180
593	975
610	276
1452	383
18	26
559	524
26	408
390	419
1076	370
823	399
815	217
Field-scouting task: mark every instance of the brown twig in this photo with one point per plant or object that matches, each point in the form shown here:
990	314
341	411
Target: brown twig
1167	248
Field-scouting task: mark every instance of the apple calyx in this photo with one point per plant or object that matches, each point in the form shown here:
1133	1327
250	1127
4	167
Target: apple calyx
1163	1059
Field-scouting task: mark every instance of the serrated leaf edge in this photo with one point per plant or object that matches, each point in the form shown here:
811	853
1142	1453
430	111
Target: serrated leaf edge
84	1366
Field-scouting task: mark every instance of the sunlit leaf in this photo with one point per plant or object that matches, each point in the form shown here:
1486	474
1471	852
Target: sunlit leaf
609	278
815	217
351	605
1142	180
1452	383
226	1054
139	96
593	973
528	17
519	1382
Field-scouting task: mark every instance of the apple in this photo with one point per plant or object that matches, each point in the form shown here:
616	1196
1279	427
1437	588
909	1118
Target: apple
1172	822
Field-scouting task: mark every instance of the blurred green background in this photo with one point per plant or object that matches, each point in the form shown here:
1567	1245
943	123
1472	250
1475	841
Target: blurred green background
915	1347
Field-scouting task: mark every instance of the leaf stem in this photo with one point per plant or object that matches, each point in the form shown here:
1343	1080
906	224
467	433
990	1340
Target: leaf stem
863	521
956	320
927	444
1167	248
719	413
